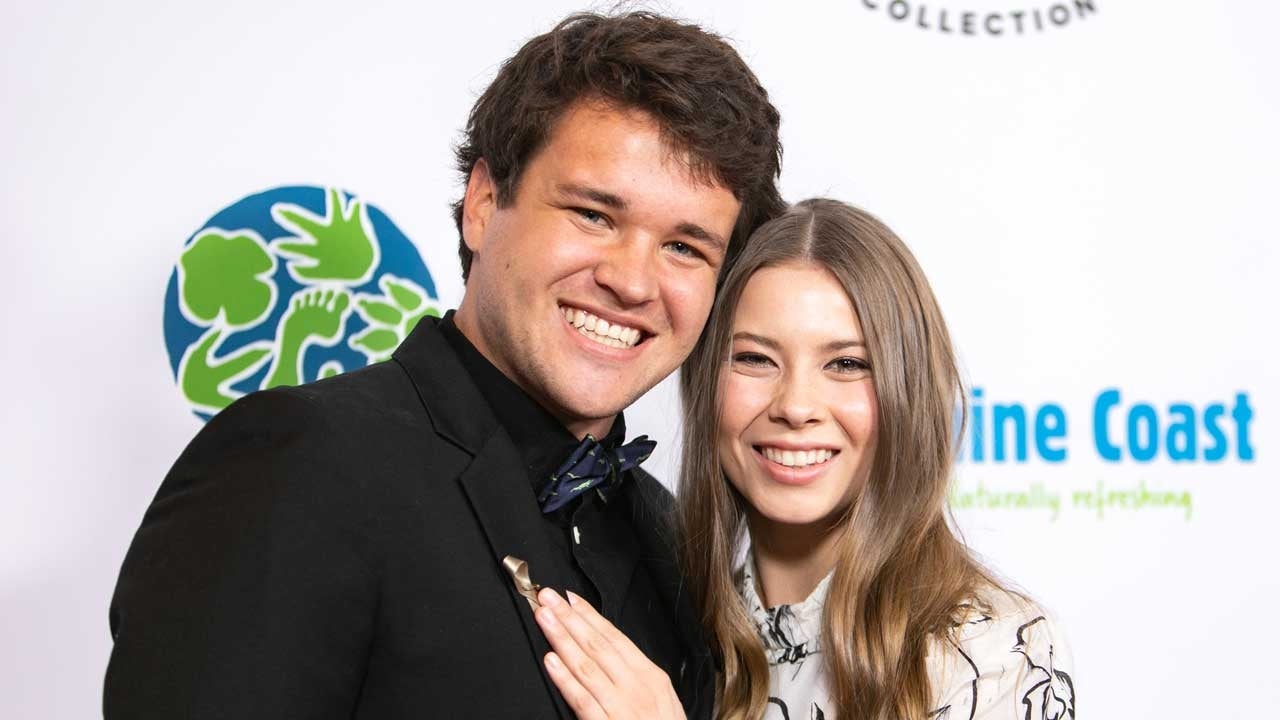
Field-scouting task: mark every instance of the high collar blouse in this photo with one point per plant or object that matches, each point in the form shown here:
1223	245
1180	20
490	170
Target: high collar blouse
1004	661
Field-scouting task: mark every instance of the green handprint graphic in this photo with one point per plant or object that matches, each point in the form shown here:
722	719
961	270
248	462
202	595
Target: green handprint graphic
338	247
264	292
391	316
205	379
227	274
315	317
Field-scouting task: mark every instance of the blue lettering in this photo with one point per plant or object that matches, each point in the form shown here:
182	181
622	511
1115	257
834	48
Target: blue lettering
1046	431
1107	399
1218	450
1184	429
978	454
1242	414
1140	452
1001	413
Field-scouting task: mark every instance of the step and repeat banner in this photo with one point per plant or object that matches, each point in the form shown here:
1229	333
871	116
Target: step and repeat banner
200	202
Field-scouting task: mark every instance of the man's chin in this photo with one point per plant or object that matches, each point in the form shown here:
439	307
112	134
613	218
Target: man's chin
577	405
579	412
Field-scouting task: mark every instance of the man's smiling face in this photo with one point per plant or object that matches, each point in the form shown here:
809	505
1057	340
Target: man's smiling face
594	283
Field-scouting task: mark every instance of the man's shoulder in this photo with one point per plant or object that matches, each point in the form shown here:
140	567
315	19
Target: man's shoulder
375	394
349	414
651	494
368	391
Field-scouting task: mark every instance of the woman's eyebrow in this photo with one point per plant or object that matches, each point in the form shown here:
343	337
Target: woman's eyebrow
769	342
759	339
835	345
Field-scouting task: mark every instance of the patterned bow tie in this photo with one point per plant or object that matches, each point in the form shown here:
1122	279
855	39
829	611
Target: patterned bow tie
593	465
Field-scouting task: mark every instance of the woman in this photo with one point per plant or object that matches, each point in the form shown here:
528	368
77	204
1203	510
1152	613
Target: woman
820	419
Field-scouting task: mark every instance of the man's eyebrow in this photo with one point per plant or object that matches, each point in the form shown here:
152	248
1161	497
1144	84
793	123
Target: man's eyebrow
697	232
607	199
616	202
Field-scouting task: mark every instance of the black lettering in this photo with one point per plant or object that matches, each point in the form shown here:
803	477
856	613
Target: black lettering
942	22
869	5
991	27
1039	21
920	18
966	23
1017	20
1059	14
893	9
1082	5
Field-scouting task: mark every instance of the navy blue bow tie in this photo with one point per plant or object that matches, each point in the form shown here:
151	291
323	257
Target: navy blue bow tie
593	465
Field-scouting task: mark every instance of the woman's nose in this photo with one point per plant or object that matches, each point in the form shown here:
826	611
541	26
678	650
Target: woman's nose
798	401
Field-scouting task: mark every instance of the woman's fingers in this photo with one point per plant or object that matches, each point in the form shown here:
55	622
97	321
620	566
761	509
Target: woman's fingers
597	668
576	695
589	655
619	639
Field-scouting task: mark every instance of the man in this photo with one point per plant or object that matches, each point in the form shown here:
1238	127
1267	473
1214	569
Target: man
354	547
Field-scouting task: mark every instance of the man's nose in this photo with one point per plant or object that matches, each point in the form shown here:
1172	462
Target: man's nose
629	270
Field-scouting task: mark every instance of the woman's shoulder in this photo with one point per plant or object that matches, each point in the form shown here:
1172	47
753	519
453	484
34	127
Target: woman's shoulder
1004	656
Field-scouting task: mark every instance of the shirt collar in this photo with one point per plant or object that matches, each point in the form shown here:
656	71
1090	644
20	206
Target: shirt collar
789	633
541	440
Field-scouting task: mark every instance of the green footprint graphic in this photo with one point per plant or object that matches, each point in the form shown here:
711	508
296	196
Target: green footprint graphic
337	247
315	317
390	316
205	379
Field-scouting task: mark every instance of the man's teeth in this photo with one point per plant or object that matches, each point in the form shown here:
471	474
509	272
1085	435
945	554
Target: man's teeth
613	335
797	458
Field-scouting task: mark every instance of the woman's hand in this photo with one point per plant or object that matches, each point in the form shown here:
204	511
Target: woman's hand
600	672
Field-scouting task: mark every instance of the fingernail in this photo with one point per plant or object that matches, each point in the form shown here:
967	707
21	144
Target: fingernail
546	617
573	599
549	597
553	661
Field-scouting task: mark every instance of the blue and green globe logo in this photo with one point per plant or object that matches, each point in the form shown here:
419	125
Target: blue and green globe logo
288	286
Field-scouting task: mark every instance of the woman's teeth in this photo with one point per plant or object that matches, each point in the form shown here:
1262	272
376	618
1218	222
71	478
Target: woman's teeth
618	336
796	458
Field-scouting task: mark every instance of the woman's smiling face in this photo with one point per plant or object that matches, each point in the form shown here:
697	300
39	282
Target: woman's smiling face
798	406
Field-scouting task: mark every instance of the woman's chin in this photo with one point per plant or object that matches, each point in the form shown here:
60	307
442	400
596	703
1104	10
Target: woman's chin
798	517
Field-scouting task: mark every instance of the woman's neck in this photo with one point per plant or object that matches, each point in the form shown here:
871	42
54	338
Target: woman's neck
791	559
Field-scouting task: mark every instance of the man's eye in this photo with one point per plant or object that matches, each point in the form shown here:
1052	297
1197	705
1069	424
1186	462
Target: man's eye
591	216
685	249
849	365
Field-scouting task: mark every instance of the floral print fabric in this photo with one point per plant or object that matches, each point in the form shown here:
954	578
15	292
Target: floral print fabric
1009	662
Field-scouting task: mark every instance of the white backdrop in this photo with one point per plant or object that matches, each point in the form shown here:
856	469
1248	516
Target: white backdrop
1093	201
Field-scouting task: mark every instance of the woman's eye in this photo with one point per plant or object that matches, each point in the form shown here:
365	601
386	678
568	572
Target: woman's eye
751	359
849	365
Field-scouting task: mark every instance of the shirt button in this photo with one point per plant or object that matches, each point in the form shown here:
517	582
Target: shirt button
577	536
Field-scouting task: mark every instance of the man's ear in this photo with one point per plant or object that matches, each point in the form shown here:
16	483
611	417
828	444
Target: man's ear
478	205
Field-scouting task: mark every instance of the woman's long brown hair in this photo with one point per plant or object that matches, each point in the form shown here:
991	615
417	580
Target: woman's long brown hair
902	578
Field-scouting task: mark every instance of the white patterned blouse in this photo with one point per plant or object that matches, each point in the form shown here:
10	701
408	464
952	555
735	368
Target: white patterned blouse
1010	663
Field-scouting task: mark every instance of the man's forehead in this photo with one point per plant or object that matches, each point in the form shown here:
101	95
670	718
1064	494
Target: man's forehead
583	119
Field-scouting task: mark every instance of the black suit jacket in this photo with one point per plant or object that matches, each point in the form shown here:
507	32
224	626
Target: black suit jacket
334	550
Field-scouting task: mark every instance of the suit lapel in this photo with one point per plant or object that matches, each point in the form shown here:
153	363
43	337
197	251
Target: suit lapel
508	512
494	482
653	519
